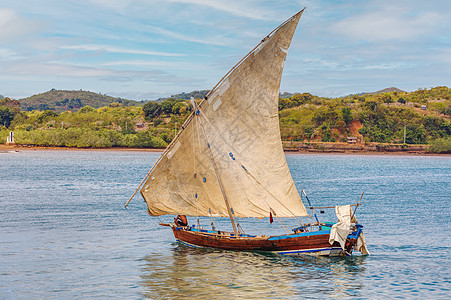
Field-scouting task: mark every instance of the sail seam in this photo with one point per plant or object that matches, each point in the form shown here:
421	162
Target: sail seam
244	169
229	209
179	138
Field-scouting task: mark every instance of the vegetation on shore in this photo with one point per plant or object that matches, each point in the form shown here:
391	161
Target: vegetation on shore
423	116
441	145
61	100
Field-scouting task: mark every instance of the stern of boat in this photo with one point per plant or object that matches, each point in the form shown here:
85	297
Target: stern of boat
351	240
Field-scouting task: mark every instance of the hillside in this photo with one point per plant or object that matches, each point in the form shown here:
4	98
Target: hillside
419	117
186	96
387	90
61	100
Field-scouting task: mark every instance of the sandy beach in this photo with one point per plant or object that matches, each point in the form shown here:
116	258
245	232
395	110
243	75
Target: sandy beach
7	148
18	148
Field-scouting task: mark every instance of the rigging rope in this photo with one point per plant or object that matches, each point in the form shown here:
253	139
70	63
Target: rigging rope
229	209
282	223
191	116
247	55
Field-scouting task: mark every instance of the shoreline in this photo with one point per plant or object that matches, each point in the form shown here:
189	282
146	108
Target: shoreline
6	148
330	151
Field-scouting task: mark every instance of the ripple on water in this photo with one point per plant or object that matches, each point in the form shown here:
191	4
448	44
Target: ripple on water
65	233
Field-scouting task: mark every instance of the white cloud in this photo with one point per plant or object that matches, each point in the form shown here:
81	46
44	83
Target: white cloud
6	16
104	48
55	69
388	23
218	41
167	46
7	54
118	5
13	26
60	70
236	8
149	63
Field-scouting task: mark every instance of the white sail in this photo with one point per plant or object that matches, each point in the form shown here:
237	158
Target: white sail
237	131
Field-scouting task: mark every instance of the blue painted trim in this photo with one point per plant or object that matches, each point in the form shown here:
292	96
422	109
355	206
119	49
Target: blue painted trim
188	244
356	234
290	236
329	224
309	251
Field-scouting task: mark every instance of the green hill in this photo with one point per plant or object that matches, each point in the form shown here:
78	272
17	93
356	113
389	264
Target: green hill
186	96
419	117
387	90
61	100
424	115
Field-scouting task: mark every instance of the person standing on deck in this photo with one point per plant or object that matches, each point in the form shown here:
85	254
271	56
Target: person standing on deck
181	220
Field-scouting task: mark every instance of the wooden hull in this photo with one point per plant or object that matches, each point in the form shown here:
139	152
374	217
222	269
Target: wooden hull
311	243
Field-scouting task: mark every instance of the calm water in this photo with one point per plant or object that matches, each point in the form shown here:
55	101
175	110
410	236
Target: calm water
65	233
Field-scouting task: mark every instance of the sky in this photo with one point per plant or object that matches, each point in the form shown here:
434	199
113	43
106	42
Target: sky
146	49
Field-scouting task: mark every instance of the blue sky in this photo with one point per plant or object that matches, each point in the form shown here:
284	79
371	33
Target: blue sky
145	49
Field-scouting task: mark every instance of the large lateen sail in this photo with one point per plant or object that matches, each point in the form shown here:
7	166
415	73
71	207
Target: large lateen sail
235	131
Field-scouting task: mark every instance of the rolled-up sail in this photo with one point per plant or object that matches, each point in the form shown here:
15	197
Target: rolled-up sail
237	131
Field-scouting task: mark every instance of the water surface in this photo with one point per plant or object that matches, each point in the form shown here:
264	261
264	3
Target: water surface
65	233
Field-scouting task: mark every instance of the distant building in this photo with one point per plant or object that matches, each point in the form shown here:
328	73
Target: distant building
10	138
351	139
424	107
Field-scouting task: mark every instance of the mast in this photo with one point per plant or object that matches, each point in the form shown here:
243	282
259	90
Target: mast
224	195
246	154
223	191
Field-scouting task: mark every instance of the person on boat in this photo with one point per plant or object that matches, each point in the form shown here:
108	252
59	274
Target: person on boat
181	220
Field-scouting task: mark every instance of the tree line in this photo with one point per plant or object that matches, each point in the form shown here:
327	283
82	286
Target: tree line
423	116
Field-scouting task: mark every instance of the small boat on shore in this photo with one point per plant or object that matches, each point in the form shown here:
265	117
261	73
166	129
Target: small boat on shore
228	161
10	151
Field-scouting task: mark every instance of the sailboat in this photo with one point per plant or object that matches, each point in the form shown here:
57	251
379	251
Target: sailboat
228	161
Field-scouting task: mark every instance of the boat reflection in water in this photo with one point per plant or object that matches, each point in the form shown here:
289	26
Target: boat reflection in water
209	273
